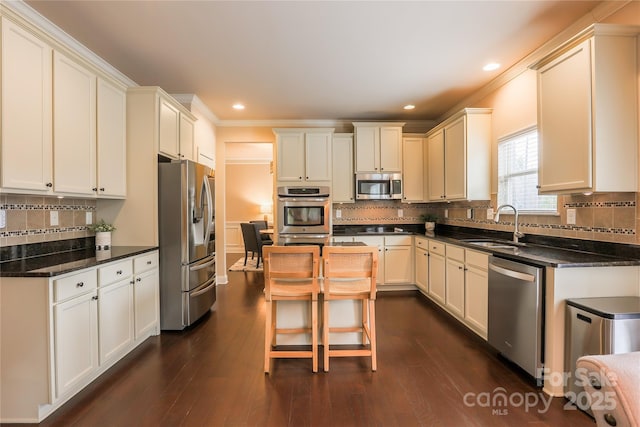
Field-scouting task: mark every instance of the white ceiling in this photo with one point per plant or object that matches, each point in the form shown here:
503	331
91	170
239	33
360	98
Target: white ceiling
338	60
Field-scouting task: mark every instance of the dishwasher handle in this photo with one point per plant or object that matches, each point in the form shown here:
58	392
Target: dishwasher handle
514	274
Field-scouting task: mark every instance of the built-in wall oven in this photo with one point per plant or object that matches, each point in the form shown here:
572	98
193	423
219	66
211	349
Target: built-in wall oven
303	215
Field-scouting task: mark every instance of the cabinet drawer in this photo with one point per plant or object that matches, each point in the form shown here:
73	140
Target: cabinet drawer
455	252
422	243
76	284
478	259
436	247
404	240
145	262
113	272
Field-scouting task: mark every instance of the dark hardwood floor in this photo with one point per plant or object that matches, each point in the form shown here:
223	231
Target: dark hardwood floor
431	372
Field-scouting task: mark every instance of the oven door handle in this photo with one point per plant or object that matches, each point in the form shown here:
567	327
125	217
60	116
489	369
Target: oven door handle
514	274
299	236
303	199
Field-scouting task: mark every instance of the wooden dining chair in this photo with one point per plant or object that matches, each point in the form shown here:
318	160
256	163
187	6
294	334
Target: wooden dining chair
350	274
290	274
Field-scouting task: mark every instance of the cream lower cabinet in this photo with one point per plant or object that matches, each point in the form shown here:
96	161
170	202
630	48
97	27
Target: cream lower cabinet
75	327
454	292
422	264
437	271
476	296
378	242
398	260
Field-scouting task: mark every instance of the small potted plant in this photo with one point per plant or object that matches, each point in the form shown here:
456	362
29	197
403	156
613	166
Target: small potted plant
429	221
103	234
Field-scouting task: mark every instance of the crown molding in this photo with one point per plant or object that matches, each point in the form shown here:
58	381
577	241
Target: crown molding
193	102
19	10
340	126
599	13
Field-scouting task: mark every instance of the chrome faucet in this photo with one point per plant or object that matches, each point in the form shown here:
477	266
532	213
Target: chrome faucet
516	232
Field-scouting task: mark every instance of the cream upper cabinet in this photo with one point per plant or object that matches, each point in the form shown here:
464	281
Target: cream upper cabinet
169	125
303	155
413	169
342	178
186	138
26	111
112	139
74	127
588	114
378	147
459	157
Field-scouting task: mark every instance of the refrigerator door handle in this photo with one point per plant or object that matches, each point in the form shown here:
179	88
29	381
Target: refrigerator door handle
209	213
203	265
204	288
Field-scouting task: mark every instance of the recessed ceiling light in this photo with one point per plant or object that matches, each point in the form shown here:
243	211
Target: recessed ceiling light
238	106
491	66
409	107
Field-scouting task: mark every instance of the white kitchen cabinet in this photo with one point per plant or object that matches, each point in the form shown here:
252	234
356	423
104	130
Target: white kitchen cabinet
437	271
459	157
398	260
169	128
27	155
342	178
115	309
413	169
422	264
588	113
377	241
111	139
75	325
476	296
187	125
303	155
378	147
146	295
454	288
74	127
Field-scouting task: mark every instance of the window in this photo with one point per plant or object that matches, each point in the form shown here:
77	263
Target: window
518	174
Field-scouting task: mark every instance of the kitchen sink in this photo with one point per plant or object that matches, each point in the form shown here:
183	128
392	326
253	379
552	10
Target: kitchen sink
494	244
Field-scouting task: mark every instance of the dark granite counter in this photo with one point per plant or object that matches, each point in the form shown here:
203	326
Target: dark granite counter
541	251
54	264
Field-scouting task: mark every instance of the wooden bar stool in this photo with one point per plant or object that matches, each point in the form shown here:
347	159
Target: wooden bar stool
290	274
350	274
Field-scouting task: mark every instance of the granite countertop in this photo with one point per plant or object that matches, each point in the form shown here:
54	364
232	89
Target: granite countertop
55	264
536	250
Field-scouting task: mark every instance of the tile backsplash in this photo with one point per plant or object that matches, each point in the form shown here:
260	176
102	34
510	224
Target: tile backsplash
608	217
28	218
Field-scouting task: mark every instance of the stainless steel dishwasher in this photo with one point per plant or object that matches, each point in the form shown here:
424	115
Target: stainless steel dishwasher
516	313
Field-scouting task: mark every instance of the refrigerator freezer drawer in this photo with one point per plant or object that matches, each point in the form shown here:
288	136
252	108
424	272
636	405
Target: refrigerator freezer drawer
199	301
194	275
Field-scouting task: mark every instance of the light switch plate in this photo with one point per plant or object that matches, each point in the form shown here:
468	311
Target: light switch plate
446	213
338	213
88	218
571	216
490	213
400	213
3	218
53	218
469	213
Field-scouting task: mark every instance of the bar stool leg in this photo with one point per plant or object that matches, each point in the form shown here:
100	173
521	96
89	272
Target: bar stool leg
372	332
325	333
268	336
314	334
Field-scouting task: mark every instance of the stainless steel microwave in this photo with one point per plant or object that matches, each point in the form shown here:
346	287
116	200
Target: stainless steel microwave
378	186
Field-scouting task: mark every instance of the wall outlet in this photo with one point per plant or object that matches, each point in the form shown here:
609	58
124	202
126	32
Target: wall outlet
400	213
88	218
571	216
338	213
490	213
3	218
53	218
469	213
446	213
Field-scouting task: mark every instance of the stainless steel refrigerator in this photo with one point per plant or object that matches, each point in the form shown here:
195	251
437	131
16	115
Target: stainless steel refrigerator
187	242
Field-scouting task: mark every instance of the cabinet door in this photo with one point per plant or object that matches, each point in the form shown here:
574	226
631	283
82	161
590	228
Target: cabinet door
455	287
26	110
169	129
74	127
398	266
342	179
413	170
186	138
390	149
564	119
290	153
146	301
112	139
318	156
435	169
367	149
476	299
437	274
115	317
76	341
377	241
455	156
422	269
